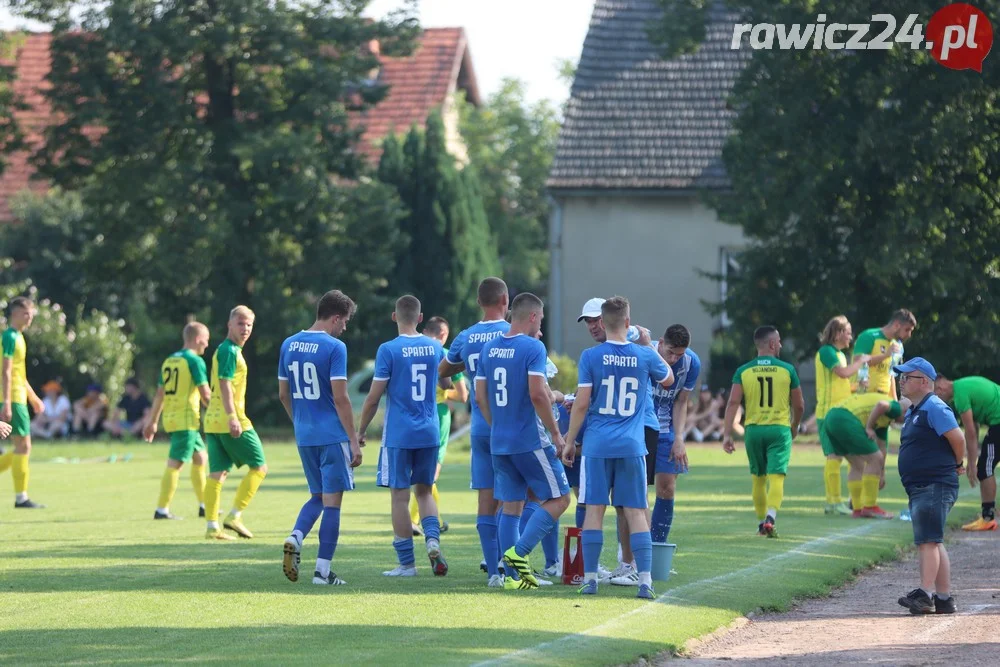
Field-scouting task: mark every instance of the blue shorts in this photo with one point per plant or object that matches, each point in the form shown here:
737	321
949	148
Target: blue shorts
573	472
482	463
402	468
664	448
328	468
540	470
627	476
929	507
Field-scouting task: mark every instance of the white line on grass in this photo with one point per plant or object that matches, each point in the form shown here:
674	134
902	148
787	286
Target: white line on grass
806	549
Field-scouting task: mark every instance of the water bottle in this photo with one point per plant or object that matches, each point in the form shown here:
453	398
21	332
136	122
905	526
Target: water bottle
905	516
862	378
632	334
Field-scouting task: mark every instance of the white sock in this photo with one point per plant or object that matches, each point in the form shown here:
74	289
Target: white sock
323	567
297	534
632	564
773	513
162	510
201	505
236	514
619	554
213	525
21	497
589	576
646	578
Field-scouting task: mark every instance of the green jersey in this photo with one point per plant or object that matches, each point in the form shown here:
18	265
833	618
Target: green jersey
980	395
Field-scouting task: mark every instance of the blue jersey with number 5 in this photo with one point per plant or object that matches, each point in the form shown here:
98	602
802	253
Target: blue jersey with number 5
409	365
308	361
619	375
465	349
504	366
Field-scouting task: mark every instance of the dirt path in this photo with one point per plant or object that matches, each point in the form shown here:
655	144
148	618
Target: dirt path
862	623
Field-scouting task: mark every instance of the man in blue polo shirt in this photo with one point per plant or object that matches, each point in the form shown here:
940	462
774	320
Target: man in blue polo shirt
931	457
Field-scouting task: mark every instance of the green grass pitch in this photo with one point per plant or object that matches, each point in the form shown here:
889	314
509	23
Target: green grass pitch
92	579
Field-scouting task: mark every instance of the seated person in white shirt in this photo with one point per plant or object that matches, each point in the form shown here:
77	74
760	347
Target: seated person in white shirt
55	420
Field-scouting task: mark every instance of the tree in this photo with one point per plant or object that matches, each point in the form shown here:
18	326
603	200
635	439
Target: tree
213	150
450	244
511	144
866	181
11	136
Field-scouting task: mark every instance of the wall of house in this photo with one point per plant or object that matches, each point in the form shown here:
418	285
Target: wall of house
452	132
648	249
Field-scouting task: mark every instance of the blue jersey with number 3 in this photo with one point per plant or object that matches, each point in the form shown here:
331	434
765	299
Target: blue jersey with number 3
409	365
308	361
619	375
465	349
504	366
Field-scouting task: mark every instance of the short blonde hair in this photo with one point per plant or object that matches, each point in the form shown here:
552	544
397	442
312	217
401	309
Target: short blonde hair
192	329
241	310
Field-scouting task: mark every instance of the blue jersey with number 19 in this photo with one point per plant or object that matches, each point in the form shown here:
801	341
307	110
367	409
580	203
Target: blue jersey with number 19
504	366
409	363
465	349
619	374
308	361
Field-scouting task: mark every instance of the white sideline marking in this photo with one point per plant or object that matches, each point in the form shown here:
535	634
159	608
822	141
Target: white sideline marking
801	550
929	634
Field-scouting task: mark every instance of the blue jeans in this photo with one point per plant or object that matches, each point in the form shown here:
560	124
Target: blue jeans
929	507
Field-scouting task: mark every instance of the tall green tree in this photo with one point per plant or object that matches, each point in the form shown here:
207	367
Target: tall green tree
865	181
213	149
11	136
511	144
450	245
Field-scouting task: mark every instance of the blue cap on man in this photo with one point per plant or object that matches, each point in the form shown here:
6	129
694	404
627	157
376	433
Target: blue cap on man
918	364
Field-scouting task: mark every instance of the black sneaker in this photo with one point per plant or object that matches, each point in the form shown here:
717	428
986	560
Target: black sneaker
917	602
201	512
444	526
768	527
329	580
28	504
169	516
944	606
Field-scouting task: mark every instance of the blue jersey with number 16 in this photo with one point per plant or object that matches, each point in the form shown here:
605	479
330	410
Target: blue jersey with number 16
409	364
308	361
619	374
465	349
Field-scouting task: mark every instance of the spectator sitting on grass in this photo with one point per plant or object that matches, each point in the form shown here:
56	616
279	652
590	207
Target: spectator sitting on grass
131	413
55	420
90	411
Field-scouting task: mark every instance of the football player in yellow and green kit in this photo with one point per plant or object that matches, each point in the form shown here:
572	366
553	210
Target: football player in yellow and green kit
229	433
183	389
772	397
15	394
885	345
858	429
833	385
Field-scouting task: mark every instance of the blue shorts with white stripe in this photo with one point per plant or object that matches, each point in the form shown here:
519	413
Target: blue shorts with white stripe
540	470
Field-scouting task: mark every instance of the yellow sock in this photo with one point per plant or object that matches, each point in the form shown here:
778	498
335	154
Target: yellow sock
831	475
760	496
437	498
248	488
213	498
854	488
414	511
775	491
869	490
168	486
19	471
198	482
6	460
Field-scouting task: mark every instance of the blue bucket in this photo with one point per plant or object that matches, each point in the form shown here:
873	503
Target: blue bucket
663	558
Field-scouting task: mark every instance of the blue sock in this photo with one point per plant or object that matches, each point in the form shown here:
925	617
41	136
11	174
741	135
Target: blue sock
432	528
550	545
642	549
541	524
509	535
581	514
308	515
529	509
663	518
487	527
499	523
404	551
329	532
592	541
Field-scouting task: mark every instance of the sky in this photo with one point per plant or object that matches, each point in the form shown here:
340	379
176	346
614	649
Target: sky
524	39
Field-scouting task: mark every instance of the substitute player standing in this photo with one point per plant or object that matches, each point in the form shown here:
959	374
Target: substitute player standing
405	369
671	409
15	395
614	447
772	397
885	345
514	399
182	390
464	354
312	386
229	433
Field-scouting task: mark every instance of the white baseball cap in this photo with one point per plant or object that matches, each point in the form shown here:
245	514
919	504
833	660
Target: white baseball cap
592	308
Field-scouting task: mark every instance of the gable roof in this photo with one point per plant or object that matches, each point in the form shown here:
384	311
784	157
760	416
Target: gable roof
440	65
638	121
